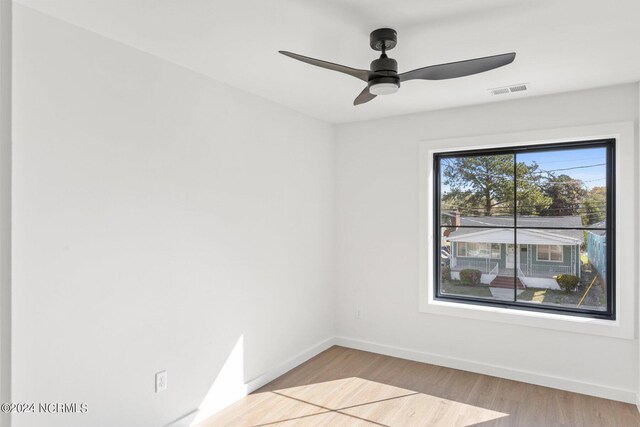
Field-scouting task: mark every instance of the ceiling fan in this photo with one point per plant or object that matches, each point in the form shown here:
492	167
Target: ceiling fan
383	77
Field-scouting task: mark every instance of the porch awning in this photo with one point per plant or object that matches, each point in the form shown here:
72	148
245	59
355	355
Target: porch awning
525	236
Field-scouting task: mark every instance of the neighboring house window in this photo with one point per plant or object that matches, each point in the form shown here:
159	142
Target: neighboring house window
462	249
479	250
549	253
474	250
495	251
519	218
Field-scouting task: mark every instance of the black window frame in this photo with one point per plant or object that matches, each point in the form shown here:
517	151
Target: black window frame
610	227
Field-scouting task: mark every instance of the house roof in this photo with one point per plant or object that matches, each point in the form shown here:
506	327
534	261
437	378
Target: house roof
601	224
526	235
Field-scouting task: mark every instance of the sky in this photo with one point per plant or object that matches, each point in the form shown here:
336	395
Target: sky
580	164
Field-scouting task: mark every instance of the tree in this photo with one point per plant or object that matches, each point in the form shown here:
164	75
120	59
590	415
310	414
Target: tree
594	207
531	198
484	185
480	182
567	195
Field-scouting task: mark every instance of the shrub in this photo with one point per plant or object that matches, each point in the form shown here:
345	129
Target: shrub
445	273
567	282
470	276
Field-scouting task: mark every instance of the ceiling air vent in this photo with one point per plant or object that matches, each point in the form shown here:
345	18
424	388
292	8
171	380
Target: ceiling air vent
500	91
517	88
521	87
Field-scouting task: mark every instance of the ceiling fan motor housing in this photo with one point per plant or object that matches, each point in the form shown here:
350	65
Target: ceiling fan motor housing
385	71
384	64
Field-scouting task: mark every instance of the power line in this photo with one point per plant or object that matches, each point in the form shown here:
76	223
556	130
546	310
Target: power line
538	172
569	160
576	167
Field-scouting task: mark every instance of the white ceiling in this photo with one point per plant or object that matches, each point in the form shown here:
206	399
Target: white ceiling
561	45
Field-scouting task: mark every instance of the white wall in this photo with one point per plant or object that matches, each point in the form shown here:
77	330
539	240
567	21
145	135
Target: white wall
5	207
159	218
377	248
637	238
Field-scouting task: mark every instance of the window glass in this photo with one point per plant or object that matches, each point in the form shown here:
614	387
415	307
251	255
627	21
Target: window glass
529	227
467	276
461	248
495	251
475	186
543	252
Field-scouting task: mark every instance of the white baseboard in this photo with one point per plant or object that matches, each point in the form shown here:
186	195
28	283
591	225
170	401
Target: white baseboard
567	384
288	365
184	421
265	378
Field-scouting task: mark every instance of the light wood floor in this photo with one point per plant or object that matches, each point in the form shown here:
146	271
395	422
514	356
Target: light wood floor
345	387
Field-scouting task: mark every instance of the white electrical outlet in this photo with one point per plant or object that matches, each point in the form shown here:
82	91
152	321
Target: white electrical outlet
161	381
358	313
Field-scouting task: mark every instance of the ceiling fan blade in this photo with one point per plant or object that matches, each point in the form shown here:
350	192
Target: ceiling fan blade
453	70
359	74
365	96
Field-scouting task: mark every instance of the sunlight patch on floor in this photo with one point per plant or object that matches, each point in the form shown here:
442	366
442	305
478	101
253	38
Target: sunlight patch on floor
349	402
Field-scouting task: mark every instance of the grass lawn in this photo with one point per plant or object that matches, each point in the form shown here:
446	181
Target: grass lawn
550	296
584	258
455	289
595	299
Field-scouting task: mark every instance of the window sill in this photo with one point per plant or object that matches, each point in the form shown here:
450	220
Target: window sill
536	319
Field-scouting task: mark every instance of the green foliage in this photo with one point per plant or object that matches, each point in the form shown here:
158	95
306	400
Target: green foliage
483	185
445	273
477	183
470	276
567	195
594	206
567	282
532	199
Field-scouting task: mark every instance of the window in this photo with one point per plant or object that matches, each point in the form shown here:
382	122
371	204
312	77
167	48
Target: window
473	250
527	222
462	249
495	251
478	250
549	253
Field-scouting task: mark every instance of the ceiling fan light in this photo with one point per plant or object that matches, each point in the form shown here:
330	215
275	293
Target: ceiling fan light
383	88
